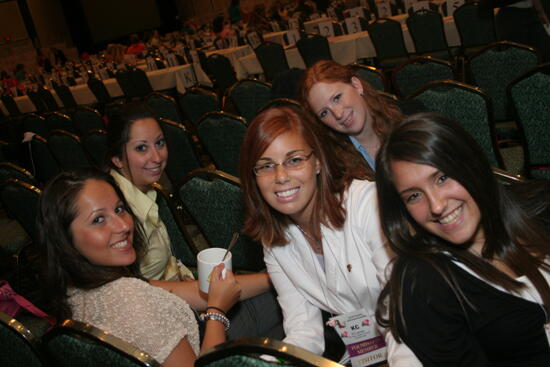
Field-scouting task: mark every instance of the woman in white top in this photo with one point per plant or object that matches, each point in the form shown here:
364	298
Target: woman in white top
470	283
92	243
317	220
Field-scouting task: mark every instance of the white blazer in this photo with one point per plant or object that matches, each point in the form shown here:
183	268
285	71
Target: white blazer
354	257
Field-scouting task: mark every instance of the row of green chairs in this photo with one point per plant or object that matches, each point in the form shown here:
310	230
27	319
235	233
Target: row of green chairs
529	94
63	150
73	343
245	96
81	120
474	24
492	68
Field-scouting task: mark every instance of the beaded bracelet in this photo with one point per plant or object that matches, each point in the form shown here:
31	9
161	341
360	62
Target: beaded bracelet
216	317
217	309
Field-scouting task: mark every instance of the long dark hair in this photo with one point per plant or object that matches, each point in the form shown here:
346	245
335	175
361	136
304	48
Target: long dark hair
262	222
64	266
118	131
511	235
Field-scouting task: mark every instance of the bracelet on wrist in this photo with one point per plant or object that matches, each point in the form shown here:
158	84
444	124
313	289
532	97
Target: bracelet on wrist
216	317
217	309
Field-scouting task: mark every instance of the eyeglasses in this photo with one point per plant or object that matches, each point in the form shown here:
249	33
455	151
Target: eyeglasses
293	163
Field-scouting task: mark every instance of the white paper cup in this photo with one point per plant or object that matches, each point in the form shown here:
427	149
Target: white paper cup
206	260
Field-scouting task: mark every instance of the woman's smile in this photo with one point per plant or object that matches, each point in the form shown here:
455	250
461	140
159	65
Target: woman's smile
438	203
289	191
287	195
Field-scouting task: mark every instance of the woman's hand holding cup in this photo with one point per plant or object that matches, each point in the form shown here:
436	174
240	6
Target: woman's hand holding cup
224	290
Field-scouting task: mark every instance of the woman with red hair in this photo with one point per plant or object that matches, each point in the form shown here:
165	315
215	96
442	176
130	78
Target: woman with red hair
351	107
317	219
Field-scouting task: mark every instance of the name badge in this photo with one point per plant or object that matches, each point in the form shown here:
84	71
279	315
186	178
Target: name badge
364	344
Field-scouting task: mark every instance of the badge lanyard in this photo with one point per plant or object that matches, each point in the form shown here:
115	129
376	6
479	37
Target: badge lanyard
357	329
364	344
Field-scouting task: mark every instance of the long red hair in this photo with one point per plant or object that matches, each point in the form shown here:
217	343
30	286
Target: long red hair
263	223
385	114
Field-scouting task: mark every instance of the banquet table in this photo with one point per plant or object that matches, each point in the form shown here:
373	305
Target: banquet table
275	37
312	26
179	77
348	48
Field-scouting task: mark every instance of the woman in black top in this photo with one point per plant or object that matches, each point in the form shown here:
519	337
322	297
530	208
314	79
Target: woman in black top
469	284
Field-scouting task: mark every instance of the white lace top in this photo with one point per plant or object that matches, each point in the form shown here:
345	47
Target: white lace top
143	315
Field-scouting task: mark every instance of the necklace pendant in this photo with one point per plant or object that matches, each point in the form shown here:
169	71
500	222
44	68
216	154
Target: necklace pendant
318	246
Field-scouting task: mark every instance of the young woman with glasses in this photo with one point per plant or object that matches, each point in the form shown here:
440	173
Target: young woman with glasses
317	220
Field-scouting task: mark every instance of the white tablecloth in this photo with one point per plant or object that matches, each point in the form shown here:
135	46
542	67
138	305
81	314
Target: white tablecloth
312	25
180	77
276	37
348	48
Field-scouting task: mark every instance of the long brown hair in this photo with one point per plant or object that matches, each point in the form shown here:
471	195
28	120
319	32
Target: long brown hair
63	265
265	224
385	114
511	234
